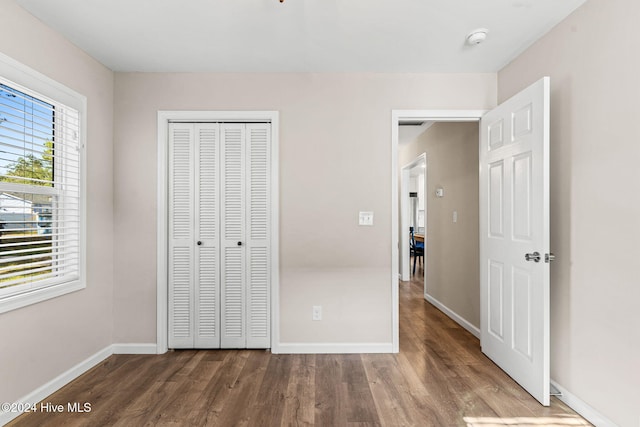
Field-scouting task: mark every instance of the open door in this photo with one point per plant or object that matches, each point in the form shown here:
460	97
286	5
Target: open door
514	238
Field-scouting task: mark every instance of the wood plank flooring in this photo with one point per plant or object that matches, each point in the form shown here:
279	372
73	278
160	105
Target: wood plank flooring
439	378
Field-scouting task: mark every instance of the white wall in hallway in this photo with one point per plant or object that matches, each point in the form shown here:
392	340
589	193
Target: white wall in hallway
452	248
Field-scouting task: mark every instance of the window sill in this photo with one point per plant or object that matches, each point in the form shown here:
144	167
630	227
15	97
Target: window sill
15	302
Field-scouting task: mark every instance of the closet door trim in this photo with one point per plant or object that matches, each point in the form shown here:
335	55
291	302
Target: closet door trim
164	119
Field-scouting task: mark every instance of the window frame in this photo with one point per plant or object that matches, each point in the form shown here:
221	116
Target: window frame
24	78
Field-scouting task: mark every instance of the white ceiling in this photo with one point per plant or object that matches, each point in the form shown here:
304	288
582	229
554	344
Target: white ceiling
301	35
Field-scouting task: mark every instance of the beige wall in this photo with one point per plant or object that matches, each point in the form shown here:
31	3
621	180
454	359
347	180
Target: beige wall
594	65
335	159
452	252
41	341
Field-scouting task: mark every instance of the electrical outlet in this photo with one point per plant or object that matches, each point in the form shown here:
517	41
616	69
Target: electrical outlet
317	312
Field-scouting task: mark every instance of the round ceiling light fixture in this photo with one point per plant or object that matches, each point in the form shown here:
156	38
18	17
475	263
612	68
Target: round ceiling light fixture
477	36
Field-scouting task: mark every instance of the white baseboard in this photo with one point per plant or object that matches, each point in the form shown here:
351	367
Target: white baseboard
71	374
568	398
454	316
58	382
334	348
135	348
575	403
66	377
583	408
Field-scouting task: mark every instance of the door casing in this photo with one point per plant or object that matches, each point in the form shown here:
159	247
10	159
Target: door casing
396	116
162	285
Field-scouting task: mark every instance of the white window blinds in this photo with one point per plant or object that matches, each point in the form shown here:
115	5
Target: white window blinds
40	183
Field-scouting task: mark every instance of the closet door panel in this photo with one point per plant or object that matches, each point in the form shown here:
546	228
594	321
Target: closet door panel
233	264
233	215
258	196
233	299
181	231
207	283
258	299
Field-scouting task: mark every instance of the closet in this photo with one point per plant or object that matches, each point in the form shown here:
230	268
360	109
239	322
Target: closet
219	235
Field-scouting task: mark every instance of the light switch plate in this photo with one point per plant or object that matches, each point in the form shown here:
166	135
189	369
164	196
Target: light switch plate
366	218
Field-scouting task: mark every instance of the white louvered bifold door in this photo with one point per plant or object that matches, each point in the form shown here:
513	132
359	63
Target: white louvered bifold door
181	235
207	271
219	235
194	273
258	208
232	261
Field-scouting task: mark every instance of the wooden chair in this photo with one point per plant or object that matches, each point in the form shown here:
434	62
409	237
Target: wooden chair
417	250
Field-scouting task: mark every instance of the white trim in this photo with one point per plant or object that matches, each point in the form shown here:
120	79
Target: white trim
162	240
396	115
74	372
454	316
405	263
583	408
134	348
164	117
24	299
58	382
28	80
440	115
334	348
34	81
275	232
395	301
42	392
404	252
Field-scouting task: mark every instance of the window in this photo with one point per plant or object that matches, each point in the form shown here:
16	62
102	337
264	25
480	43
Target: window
41	192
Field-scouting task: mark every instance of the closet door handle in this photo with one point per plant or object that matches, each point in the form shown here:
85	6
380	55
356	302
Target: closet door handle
239	243
199	243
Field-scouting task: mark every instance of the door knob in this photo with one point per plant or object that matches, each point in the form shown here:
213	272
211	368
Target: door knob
199	243
535	257
239	243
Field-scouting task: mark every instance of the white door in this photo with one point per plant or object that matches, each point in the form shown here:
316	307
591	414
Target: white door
181	235
233	261
246	235
219	235
194	283
258	235
514	238
207	262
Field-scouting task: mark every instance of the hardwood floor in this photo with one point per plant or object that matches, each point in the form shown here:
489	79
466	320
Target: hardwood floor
439	378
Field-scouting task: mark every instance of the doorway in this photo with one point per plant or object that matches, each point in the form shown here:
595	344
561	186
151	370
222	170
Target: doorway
447	219
418	116
513	235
